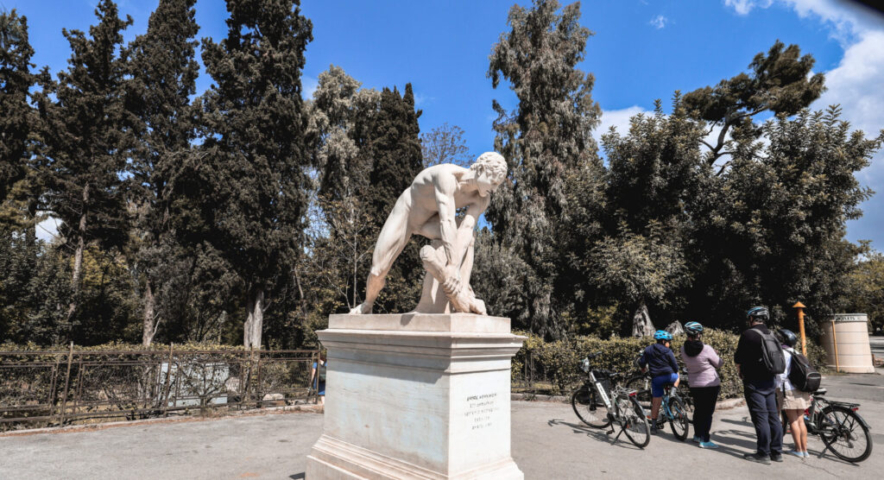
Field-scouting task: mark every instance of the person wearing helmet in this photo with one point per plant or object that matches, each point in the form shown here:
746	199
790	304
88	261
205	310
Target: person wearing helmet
660	360
793	400
759	388
702	363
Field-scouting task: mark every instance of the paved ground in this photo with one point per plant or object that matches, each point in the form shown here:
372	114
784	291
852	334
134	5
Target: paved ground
548	442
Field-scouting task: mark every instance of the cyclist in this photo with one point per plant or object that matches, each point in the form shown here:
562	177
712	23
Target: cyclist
794	401
759	387
660	360
702	363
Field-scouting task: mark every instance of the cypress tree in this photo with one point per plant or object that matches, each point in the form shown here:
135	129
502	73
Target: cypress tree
395	146
85	140
18	123
553	158
163	70
252	185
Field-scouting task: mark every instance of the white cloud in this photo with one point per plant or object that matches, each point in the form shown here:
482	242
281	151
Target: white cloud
619	119
659	21
308	87
743	7
422	100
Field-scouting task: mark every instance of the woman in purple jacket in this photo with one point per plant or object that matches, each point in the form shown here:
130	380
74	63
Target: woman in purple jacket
702	363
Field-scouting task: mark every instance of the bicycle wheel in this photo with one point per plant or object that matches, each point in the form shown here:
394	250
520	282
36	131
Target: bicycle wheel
641	384
845	434
679	419
589	407
635	420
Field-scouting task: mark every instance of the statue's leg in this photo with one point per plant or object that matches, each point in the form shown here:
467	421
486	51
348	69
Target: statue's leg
392	240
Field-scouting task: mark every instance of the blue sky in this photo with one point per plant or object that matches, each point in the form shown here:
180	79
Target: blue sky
642	50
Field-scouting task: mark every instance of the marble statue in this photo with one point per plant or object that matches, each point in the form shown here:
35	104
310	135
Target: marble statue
428	208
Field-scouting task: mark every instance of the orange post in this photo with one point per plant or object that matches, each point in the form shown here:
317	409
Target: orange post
800	307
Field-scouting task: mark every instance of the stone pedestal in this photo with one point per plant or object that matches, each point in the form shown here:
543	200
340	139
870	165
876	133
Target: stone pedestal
416	396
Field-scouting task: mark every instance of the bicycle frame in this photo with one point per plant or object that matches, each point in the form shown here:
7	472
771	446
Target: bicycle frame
601	390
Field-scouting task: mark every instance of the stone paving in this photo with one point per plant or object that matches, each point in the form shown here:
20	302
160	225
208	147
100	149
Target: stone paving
548	442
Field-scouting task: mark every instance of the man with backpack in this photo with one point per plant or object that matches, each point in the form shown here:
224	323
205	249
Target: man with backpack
759	360
795	387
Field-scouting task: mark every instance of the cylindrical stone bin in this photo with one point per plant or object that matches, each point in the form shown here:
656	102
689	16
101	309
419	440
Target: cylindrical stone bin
850	340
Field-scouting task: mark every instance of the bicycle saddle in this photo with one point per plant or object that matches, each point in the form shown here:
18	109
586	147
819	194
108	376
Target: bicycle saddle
820	391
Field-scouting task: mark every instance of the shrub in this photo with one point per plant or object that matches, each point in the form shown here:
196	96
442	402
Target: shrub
558	363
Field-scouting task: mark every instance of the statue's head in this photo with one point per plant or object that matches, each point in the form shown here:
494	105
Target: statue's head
490	171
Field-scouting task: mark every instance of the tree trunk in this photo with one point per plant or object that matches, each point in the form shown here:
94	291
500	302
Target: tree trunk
641	322
255	322
150	328
78	256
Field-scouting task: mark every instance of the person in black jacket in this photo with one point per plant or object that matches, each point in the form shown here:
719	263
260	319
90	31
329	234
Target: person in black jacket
759	387
660	360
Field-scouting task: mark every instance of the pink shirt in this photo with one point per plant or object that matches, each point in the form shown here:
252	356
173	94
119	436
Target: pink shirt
703	369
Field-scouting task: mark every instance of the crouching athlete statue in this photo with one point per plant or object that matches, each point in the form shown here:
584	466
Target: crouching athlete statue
428	208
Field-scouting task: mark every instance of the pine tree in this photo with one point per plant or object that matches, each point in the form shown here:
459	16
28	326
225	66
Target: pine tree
252	185
164	71
779	82
86	136
548	144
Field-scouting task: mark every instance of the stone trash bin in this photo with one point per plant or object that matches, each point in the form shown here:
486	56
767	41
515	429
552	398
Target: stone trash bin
848	334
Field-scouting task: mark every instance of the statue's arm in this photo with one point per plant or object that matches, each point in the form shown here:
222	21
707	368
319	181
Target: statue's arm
447	224
474	211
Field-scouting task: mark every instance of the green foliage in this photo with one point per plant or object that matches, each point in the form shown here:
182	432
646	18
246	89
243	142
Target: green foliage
18	122
559	361
179	220
636	269
865	293
251	187
779	82
369	151
772	230
549	148
85	135
163	73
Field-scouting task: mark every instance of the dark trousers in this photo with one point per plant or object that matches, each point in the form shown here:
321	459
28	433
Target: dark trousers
704	407
761	399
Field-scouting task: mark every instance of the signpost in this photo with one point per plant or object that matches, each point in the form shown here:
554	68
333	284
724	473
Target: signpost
800	307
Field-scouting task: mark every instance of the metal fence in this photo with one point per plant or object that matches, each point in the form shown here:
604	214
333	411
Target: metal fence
58	388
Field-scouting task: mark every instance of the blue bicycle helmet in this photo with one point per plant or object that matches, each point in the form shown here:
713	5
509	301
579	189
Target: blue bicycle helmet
662	335
693	328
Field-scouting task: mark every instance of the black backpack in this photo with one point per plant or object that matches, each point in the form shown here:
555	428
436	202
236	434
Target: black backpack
771	353
802	375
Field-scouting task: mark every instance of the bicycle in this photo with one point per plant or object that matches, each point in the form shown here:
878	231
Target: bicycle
673	409
600	402
841	428
641	383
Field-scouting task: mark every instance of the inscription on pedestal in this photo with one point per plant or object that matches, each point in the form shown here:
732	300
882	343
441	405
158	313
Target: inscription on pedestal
480	409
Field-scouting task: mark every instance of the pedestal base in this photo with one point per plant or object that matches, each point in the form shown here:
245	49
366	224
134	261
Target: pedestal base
417	396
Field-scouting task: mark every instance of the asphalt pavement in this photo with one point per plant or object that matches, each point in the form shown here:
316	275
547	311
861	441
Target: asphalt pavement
548	441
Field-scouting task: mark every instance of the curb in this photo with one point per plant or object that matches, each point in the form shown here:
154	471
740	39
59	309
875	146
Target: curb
150	421
726	404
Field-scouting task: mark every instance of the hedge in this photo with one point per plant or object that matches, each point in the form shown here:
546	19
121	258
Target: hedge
559	362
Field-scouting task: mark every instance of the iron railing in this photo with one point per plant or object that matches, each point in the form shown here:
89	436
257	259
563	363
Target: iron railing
58	388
